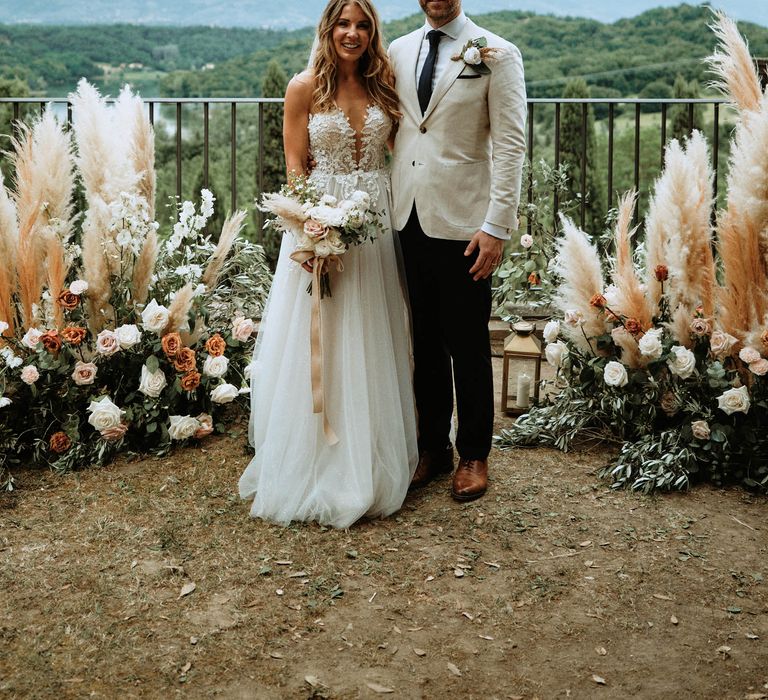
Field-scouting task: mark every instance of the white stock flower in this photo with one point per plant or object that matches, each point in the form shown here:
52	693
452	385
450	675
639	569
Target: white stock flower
182	427
152	383
615	374
10	358
734	401
224	393
749	355
31	338
650	343
5	401
154	317
720	343
104	414
328	199
242	328
215	366
472	56
700	429
29	375
107	343
682	362
361	198
85	373
551	331
556	352
78	287
128	335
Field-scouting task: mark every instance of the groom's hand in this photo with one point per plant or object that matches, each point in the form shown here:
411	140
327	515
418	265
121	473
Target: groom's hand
489	256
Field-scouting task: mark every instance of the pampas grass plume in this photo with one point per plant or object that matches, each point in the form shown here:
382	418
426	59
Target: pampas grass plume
232	226
143	269
179	308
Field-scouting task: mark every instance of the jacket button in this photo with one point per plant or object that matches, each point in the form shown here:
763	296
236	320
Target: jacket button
423	129
413	163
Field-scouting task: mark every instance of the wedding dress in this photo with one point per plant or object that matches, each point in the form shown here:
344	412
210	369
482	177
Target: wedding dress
295	473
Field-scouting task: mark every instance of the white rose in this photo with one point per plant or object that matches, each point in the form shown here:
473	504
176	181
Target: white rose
760	368
328	199
3	327
472	56
682	362
182	427
152	383
749	355
104	414
700	429
107	343
29	375
556	353
720	343
31	338
551	331
615	374
215	366
5	401
361	198
573	317
322	249
128	335
650	343
10	359
526	240
78	287
734	400
224	393
154	317
242	328
85	373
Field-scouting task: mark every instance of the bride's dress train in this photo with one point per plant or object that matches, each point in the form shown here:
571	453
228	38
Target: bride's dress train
295	474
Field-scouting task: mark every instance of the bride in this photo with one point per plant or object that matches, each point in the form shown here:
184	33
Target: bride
342	110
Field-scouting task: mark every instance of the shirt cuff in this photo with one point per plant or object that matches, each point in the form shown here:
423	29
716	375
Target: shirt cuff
495	231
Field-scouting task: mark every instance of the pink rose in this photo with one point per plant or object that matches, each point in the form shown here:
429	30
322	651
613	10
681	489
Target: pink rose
114	433
759	367
85	373
701	326
749	355
242	328
206	426
314	229
29	375
107	342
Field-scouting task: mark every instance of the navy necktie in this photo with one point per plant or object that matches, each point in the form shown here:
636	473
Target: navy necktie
424	89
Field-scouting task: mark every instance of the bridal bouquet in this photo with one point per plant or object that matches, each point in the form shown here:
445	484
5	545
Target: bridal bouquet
323	226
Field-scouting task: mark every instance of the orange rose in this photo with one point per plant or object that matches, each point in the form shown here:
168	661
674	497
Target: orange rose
74	335
633	326
534	279
184	360
661	272
51	341
190	381
59	442
67	300
597	300
216	345
171	344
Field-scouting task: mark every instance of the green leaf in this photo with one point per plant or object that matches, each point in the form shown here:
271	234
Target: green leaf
151	427
153	364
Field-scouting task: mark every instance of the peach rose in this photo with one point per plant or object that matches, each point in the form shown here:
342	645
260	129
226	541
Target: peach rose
114	433
216	345
74	335
171	343
59	442
184	360
206	426
633	326
597	300
190	381
67	300
701	327
85	373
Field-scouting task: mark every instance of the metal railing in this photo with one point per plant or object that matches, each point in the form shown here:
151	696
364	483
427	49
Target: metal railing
177	107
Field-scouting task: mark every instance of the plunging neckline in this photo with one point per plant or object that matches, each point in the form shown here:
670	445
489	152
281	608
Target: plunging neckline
358	135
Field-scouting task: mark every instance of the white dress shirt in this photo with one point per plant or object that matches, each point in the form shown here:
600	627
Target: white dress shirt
449	46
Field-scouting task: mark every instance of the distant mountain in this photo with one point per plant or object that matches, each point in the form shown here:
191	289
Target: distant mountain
301	13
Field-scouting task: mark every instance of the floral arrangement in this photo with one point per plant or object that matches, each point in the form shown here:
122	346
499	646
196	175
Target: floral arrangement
668	357
323	226
111	339
474	53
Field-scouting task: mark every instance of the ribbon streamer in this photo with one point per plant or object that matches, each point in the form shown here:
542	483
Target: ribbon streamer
316	336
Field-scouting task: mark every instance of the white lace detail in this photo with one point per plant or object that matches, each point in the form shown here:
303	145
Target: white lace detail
333	143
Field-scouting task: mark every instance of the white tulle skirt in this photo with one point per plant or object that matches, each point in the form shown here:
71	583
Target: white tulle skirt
295	474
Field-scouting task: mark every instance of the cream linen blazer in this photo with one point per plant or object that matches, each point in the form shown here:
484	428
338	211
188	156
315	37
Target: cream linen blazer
461	162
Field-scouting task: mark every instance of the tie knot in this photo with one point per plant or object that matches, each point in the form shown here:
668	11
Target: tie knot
434	36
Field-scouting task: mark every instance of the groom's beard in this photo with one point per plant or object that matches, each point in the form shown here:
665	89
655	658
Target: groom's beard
441	10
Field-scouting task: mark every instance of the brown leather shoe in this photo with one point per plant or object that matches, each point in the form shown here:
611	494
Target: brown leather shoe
432	464
470	480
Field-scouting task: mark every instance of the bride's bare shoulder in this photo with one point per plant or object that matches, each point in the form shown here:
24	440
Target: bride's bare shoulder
300	89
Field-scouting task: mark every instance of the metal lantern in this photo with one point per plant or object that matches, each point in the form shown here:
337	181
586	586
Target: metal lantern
521	367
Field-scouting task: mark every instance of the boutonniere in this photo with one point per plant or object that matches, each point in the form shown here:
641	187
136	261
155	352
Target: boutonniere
473	53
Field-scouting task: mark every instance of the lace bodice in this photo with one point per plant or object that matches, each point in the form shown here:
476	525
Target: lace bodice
333	142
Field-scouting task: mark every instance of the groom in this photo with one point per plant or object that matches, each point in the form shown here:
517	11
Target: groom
456	173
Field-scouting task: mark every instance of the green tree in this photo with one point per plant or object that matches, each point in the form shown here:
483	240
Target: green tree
577	149
273	85
680	115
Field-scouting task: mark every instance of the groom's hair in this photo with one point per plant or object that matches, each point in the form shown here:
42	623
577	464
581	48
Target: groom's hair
374	66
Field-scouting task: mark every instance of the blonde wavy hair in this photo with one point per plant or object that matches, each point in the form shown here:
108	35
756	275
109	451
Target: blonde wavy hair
374	65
